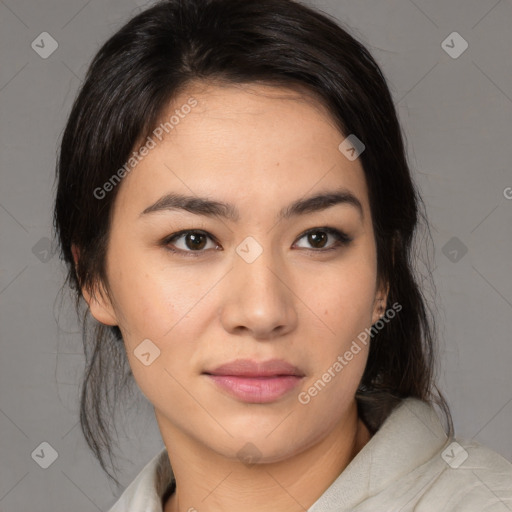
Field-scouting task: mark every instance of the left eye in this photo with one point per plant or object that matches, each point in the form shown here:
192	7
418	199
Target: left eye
318	238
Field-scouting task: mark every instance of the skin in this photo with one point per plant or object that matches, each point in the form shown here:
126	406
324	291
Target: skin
259	148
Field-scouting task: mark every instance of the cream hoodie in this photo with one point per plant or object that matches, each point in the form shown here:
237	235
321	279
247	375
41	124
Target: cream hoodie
408	465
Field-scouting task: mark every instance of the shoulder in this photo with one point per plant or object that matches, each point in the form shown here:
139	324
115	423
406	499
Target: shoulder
411	465
459	474
471	477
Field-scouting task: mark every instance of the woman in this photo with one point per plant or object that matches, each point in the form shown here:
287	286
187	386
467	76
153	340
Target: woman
235	208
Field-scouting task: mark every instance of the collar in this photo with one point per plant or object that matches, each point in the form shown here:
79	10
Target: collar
411	435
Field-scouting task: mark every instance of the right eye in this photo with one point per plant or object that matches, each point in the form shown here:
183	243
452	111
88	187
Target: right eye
191	240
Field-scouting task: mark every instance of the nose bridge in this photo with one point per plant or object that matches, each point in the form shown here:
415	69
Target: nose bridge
258	299
258	268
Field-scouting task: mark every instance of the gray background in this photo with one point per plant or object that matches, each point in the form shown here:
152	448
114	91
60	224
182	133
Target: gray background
457	117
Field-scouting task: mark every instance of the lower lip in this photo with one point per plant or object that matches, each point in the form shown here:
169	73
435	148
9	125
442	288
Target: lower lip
256	389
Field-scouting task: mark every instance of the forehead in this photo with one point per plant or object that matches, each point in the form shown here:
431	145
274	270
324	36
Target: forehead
242	142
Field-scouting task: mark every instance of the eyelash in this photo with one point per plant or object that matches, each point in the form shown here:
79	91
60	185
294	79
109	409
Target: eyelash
342	240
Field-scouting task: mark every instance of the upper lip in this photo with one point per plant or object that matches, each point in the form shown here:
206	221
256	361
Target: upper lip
250	368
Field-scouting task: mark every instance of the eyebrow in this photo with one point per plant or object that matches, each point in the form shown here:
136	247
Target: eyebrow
211	208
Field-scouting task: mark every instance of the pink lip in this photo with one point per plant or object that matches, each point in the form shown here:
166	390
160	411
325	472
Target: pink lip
256	382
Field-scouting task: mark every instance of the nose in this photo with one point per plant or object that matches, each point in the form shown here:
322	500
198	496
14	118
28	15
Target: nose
258	298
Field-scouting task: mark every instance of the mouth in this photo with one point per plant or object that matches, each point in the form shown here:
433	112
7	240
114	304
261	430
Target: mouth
256	382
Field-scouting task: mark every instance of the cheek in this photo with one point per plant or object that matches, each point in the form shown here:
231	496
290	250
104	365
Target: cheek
339	356
150	298
343	297
343	294
157	305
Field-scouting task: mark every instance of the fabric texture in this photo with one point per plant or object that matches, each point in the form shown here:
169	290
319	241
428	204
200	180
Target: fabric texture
408	465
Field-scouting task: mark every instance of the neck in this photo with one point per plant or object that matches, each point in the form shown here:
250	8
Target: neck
208	482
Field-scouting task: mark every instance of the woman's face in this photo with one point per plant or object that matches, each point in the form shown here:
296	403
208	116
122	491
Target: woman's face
264	278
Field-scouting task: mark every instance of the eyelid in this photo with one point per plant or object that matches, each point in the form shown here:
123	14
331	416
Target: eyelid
342	238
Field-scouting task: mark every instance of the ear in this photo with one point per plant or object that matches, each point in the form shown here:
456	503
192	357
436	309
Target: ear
98	300
381	296
379	304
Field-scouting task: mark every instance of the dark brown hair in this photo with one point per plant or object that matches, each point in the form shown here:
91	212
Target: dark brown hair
131	80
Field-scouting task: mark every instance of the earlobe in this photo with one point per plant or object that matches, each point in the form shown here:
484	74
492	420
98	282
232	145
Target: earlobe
379	305
100	306
381	297
378	310
98	301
